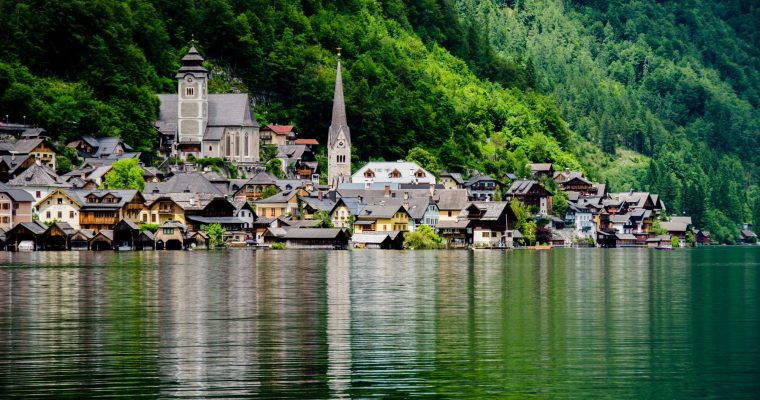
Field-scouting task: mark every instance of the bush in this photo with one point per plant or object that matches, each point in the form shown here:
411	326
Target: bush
278	246
422	239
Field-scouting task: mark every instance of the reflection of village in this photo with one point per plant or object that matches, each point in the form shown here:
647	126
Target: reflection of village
375	207
238	331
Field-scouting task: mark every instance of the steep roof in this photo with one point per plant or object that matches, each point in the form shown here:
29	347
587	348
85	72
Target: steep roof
38	175
25	146
540	167
380	210
523	187
123	197
454	199
492	210
383	170
183	183
339	121
280	129
16	194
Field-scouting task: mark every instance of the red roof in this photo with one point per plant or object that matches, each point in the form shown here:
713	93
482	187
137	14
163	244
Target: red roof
280	129
307	141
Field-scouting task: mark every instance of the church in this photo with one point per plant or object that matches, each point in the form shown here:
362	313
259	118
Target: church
194	122
339	137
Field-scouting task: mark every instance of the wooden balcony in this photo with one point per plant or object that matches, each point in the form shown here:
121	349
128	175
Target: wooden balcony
92	220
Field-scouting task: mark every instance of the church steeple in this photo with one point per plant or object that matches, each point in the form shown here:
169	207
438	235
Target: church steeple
339	110
339	136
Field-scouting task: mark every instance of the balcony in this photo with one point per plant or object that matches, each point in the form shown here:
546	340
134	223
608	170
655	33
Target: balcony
165	211
92	220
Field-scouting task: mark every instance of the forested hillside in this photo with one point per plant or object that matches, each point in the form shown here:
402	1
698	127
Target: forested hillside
485	84
677	81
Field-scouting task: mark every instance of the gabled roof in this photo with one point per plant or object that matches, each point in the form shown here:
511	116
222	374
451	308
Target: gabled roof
674	226
38	175
313	233
282	197
324	204
25	146
123	197
16	194
380	210
455	176
417	207
63	226
183	183
35	227
279	129
540	167
352	203
307	142
490	210
454	199
105	233
523	187
262	178
383	170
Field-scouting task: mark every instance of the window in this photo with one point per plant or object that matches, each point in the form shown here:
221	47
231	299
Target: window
71	214
209	148
60	214
37	194
6	206
271	212
145	218
6	220
47	215
246	145
168	231
60	200
190	92
153	218
369	173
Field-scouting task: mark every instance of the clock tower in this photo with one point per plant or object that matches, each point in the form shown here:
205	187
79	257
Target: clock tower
339	138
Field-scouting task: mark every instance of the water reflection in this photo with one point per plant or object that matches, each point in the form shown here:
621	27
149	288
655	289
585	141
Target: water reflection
623	323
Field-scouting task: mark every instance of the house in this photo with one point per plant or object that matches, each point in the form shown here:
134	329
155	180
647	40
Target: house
101	150
541	170
582	219
253	189
59	205
277	135
704	238
378	240
455	233
313	204
146	240
297	161
382	217
625	240
170	236
194	122
281	204
450	202
392	172
80	240
532	194
245	212
677	227
481	188
621	223
490	222
14	164
659	241
748	237
125	234
38	147
184	183
451	180
15	207
422	211
102	209
345	210
160	208
309	238
38	180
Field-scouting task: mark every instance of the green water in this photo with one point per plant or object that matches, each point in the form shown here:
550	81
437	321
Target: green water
586	323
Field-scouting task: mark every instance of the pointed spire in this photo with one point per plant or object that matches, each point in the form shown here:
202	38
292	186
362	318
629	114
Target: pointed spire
339	121
192	62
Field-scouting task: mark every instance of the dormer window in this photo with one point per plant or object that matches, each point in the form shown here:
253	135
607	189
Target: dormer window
189	92
369	173
419	174
395	174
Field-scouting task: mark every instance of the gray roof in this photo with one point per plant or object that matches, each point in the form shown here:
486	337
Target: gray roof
25	146
65	227
262	178
540	167
304	223
35	227
106	233
215	220
352	203
455	176
674	226
454	199
371	237
183	183
523	187
38	175
620	218
186	201
230	109
625	236
480	178
380	210
417	207
124	196
86	233
281	197
325	204
16	194
493	209
313	233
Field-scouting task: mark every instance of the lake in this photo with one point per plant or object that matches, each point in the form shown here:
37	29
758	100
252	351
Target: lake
580	323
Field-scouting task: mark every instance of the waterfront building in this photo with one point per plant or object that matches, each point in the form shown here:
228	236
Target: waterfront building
15	207
481	188
532	194
58	205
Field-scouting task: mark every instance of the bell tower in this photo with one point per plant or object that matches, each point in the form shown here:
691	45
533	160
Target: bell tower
192	107
339	137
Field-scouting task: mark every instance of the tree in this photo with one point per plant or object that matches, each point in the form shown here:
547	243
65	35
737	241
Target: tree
215	233
324	219
424	159
152	228
274	167
269	191
424	238
125	174
524	222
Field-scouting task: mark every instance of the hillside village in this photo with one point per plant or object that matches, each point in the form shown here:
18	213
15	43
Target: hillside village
263	186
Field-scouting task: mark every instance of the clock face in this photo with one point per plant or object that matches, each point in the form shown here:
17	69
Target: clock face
341	144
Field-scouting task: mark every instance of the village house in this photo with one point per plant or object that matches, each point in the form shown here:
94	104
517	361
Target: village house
253	189
298	162
11	165
170	236
281	204
15	207
532	194
38	147
345	210
38	180
382	217
102	150
582	219
451	180
277	135
450	203
58	205
481	188
422	211
102	209
392	172
491	223
541	170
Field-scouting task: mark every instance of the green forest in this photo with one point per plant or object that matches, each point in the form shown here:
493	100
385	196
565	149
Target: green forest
659	96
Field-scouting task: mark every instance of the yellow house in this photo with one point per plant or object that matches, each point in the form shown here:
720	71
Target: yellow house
280	205
450	202
160	209
382	218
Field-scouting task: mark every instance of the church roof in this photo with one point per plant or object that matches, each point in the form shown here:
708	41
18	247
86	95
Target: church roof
232	109
192	62
339	122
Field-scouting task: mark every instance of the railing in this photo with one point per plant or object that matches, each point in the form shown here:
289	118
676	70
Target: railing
87	220
166	211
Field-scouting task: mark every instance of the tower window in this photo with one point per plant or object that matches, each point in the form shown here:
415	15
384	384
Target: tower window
189	91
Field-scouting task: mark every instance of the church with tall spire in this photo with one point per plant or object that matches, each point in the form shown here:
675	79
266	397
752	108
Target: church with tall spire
339	137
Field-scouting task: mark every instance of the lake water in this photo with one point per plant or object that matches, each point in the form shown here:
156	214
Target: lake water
585	323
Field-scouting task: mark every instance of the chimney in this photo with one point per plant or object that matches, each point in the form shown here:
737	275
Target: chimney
387	191
319	195
432	189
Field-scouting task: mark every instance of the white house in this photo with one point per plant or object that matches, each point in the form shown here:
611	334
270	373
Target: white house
402	172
